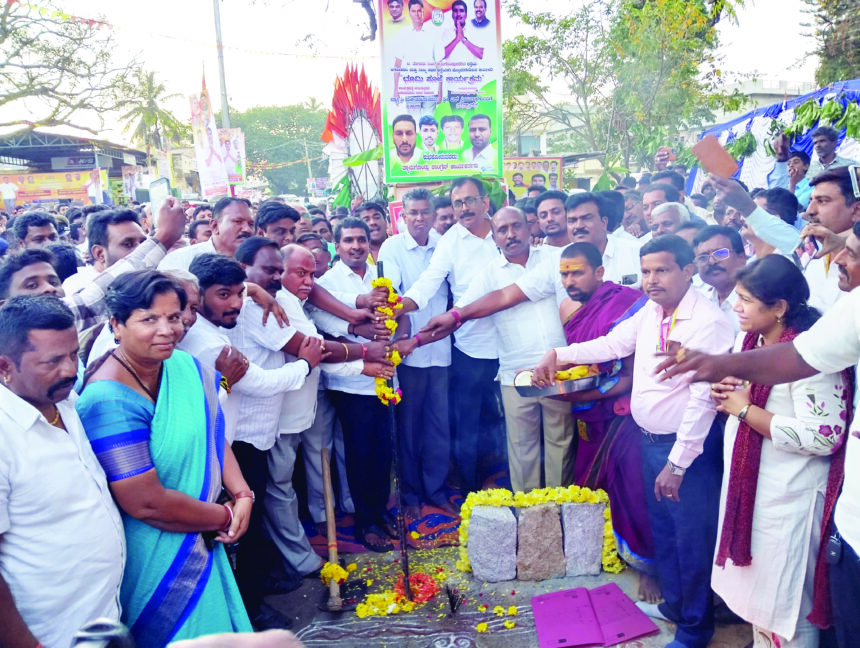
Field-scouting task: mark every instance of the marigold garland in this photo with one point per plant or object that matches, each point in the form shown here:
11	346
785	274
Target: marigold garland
332	571
385	393
559	495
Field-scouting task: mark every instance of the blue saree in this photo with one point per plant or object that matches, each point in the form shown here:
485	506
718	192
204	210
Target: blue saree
173	587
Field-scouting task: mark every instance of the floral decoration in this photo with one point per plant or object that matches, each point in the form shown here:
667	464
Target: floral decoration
383	391
559	495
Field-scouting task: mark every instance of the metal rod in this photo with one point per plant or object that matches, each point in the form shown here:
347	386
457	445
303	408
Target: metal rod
398	494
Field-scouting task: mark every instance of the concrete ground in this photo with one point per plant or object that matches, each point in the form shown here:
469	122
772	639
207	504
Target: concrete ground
431	626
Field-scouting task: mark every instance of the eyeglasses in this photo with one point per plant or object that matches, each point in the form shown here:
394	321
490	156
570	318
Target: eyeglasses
469	202
718	255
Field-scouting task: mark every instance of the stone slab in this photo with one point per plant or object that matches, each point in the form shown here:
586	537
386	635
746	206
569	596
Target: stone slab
492	544
540	552
583	538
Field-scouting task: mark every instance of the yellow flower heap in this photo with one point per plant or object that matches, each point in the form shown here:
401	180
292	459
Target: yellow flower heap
559	495
385	393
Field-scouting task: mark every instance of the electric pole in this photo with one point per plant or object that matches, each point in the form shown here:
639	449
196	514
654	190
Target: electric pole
225	108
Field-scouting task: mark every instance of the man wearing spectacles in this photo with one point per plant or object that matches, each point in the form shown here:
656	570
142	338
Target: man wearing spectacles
460	255
719	257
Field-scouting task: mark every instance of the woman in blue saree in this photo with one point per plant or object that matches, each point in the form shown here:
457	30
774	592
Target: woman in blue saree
152	416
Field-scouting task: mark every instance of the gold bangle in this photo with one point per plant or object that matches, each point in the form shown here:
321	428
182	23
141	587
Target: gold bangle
345	351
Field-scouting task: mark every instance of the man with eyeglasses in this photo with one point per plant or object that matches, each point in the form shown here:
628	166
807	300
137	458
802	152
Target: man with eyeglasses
424	434
719	257
460	255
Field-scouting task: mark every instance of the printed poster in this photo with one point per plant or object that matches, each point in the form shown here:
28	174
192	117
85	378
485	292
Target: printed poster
207	146
520	173
233	144
82	186
132	179
441	89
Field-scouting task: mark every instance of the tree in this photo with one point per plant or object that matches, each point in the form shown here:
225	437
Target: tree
149	122
837	25
285	134
56	69
635	74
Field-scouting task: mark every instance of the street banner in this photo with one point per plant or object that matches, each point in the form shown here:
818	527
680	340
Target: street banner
441	89
207	146
520	173
81	186
132	179
233	143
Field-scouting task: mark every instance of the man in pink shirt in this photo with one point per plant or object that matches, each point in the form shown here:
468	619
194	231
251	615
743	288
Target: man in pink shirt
681	443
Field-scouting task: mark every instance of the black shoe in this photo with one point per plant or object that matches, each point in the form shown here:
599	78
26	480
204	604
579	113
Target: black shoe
268	618
282	585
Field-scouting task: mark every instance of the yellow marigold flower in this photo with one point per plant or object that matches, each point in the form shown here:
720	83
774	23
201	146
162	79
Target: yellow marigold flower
512	611
351	567
415	535
510	624
481	627
499	611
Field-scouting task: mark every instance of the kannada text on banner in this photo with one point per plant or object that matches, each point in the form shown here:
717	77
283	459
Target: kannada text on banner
520	173
79	186
441	89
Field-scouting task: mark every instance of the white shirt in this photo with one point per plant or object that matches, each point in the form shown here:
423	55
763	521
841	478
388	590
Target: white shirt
258	413
103	343
459	257
9	190
831	345
487	159
299	406
342	279
404	261
63	545
204	341
418	48
620	263
823	284
181	259
525	332
727	305
80	280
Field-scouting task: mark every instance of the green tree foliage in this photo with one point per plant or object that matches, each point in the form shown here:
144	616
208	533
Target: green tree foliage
278	134
150	124
620	77
837	27
56	70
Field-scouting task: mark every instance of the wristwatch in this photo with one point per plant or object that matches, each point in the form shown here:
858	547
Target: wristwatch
675	469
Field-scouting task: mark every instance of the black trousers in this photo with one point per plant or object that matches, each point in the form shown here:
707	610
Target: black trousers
255	555
845	595
423	433
367	443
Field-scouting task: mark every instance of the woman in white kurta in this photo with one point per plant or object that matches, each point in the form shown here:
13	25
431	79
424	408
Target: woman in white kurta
800	425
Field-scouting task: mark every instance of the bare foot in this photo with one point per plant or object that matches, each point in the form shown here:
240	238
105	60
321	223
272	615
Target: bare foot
649	590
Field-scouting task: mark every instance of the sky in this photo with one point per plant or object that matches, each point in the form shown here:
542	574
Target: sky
282	52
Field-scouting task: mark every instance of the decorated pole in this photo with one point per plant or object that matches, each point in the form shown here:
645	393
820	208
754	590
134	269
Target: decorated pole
398	495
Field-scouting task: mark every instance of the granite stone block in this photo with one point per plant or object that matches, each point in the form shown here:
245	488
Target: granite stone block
583	538
540	552
492	544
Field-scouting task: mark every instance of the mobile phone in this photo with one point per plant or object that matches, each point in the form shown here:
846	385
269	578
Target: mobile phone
854	172
158	193
811	243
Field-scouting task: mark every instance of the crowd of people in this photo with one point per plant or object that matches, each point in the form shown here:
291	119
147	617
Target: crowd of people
158	399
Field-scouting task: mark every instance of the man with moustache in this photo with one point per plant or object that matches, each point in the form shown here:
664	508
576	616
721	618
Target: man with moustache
429	128
362	415
825	140
444	214
553	218
377	222
607	448
460	255
276	221
634	221
522	334
480	20
252	407
232	223
459	46
719	256
55	506
681	454
482	152
833	209
586	222
404	137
